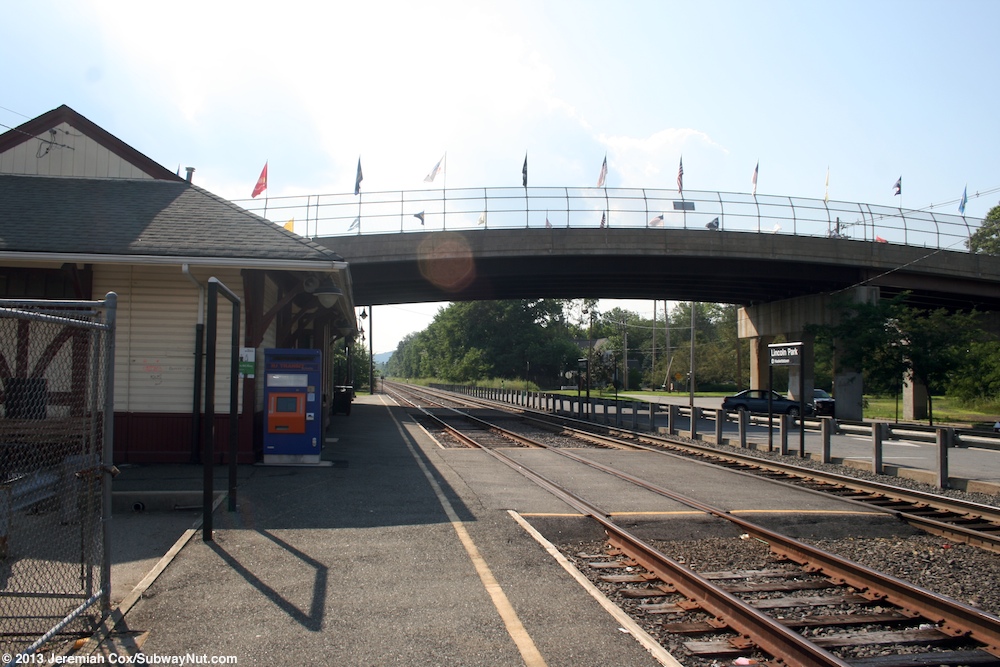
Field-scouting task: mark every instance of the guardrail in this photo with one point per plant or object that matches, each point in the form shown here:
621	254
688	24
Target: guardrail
550	207
641	415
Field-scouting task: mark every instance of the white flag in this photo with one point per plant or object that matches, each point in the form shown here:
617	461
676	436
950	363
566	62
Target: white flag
439	167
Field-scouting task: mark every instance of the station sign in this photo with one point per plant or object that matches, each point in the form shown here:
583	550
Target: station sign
785	354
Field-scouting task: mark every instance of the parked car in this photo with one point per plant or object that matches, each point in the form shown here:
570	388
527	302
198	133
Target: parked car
755	400
823	403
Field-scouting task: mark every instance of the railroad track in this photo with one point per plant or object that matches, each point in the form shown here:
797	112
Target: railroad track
952	518
734	613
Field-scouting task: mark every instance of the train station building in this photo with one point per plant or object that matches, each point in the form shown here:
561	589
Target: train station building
85	214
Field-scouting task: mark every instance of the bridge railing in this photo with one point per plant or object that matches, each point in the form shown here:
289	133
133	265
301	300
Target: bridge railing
540	207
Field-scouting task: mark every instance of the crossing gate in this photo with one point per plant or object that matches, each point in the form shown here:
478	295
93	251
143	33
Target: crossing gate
56	421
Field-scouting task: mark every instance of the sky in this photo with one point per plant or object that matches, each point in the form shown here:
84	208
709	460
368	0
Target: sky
866	91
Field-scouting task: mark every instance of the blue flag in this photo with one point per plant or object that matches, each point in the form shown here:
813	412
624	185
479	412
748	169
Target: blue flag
357	181
965	200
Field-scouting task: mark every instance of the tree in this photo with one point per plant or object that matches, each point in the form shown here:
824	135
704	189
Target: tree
986	239
889	340
473	340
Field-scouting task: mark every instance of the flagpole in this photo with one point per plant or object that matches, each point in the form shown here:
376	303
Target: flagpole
525	183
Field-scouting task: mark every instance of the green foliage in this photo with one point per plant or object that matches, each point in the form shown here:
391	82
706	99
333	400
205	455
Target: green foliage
986	239
507	339
889	340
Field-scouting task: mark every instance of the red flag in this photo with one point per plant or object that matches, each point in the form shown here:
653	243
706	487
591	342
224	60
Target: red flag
261	183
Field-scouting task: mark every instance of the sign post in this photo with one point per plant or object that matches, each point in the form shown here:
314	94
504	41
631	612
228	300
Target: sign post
788	354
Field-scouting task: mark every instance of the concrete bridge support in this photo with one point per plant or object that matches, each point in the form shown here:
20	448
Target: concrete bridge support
789	319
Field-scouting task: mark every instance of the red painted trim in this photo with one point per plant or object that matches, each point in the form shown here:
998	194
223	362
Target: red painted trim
149	437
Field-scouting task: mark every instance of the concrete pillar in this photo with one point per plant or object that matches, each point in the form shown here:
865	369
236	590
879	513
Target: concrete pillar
760	361
807	363
914	398
848	389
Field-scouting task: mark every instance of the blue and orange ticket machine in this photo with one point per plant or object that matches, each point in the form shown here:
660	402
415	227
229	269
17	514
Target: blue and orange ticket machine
293	406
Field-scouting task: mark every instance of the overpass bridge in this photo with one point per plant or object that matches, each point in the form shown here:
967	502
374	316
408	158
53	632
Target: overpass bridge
507	243
781	258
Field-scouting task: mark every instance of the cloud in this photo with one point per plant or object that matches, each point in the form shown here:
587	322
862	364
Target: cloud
652	161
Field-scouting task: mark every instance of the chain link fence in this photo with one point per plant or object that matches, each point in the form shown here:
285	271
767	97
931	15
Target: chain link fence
56	418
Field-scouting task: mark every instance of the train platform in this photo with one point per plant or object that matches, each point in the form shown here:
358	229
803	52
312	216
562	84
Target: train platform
394	552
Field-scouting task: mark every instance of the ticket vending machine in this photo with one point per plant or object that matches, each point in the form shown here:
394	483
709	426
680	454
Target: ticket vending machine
292	406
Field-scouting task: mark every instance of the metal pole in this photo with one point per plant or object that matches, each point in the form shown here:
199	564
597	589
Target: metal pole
802	407
691	367
110	319
234	421
208	449
371	358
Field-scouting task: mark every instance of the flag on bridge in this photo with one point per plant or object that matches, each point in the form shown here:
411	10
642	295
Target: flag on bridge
657	221
261	182
482	218
826	193
604	173
356	224
604	220
290	225
680	176
437	169
524	172
754	179
898	187
357	181
965	200
419	216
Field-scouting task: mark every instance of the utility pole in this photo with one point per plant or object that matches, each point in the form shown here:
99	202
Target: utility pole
691	379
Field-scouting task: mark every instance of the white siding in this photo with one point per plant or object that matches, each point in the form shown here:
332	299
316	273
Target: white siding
157	314
70	154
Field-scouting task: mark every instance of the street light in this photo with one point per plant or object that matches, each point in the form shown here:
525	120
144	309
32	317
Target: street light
590	348
371	359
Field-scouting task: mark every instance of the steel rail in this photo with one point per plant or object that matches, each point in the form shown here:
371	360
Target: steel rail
883	496
955	617
769	635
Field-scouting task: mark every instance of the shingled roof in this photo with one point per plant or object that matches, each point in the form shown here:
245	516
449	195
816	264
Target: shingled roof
118	217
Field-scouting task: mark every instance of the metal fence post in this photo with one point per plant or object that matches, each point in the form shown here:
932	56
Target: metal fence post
826	429
695	412
744	422
720	421
783	434
878	434
945	439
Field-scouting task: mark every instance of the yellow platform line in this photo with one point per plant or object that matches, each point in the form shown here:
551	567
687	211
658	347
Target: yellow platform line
529	652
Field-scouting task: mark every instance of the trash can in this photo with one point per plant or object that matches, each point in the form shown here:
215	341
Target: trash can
342	397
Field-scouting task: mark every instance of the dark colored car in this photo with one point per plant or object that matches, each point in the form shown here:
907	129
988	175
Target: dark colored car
755	400
824	404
